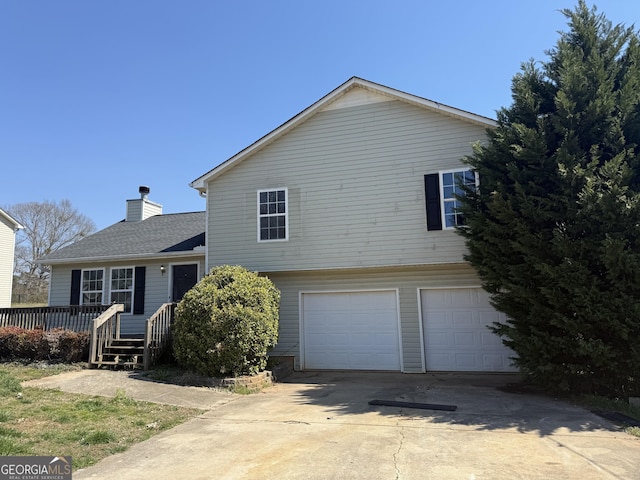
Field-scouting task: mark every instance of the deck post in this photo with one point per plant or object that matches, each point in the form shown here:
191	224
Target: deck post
147	343
94	344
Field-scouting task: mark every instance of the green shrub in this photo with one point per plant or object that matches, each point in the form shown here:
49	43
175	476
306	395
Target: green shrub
227	323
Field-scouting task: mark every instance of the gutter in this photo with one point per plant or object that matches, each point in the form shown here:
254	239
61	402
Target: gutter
116	258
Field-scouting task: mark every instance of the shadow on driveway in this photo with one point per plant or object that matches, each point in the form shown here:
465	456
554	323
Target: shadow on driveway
481	400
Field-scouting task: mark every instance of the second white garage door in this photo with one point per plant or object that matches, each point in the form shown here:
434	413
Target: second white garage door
351	330
456	337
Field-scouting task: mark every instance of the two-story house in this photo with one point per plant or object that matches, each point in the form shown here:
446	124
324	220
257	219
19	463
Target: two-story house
8	229
350	208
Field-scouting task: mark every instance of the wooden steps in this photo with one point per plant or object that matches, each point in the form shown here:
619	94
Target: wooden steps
124	352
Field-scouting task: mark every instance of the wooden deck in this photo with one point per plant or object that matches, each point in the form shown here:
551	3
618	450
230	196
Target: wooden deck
103	324
78	318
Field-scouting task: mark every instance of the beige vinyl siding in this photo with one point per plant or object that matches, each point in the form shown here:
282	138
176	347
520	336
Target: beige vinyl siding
408	281
141	209
7	248
355	179
156	287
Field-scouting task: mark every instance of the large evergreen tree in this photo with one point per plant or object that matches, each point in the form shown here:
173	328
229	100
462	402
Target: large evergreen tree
554	227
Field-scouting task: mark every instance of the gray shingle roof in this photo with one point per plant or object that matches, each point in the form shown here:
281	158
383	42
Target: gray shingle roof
170	233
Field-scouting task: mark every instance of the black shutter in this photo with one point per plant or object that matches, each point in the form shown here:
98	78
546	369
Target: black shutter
76	276
138	293
432	195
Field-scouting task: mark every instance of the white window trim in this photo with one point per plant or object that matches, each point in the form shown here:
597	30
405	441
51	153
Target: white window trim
286	214
82	290
442	209
133	286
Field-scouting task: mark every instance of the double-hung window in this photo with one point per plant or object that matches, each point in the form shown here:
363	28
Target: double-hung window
92	287
452	183
272	215
122	287
441	190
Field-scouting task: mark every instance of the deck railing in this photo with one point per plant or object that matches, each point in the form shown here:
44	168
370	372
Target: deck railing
105	328
69	317
101	321
157	336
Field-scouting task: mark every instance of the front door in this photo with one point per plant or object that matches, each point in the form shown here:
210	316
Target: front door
184	277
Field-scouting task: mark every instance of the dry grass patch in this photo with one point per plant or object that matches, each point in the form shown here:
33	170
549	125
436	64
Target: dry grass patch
36	421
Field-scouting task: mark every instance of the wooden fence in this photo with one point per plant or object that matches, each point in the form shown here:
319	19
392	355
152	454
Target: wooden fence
78	318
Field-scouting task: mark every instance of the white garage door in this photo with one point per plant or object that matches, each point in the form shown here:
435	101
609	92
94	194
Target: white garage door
456	336
351	330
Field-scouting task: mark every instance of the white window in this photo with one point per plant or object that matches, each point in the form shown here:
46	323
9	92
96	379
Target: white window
92	287
451	183
122	287
272	215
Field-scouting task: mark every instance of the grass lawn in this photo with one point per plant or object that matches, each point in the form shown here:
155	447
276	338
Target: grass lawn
35	421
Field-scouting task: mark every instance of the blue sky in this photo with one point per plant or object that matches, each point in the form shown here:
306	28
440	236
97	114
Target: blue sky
99	97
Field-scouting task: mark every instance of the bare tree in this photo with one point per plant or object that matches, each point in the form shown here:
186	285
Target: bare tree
48	226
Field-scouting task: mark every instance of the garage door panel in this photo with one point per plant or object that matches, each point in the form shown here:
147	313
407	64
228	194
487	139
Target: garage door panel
439	318
351	330
440	361
456	336
490	317
465	361
462	319
462	339
494	362
490	339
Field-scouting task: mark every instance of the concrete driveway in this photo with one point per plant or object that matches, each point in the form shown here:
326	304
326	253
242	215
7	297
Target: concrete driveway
320	426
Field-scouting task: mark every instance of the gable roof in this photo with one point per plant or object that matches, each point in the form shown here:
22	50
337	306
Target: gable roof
324	103
159	236
12	221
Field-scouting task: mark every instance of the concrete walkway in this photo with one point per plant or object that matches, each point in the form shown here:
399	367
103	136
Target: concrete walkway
107	383
320	426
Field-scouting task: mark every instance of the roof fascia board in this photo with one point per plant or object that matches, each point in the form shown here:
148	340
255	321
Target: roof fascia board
119	258
10	219
200	183
424	102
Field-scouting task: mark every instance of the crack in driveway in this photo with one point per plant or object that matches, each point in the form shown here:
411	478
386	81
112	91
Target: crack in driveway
397	452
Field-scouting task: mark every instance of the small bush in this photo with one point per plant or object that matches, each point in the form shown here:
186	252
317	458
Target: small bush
227	323
20	343
74	346
37	345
